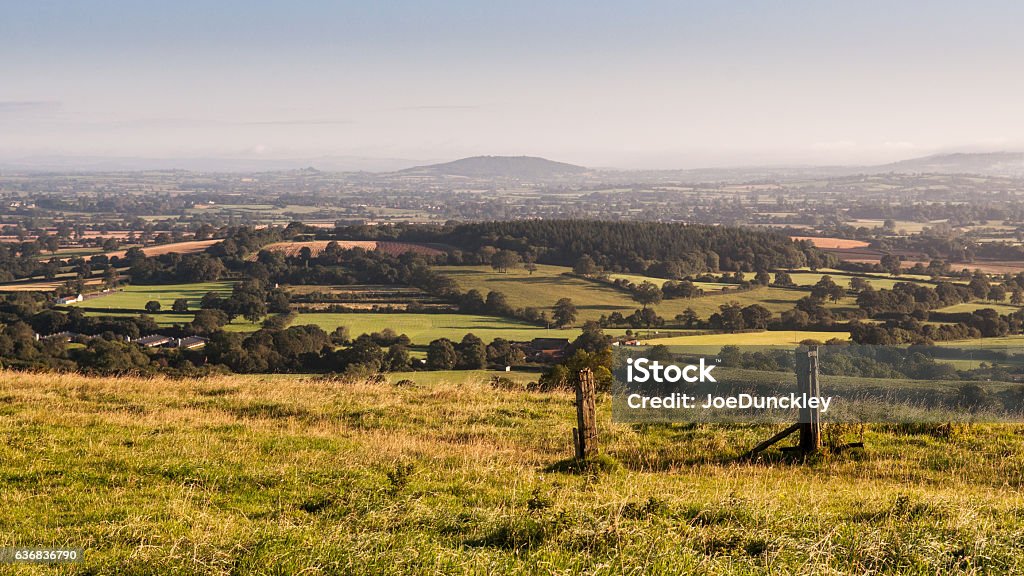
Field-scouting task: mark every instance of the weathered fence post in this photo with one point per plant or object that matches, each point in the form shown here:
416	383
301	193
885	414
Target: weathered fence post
585	434
807	383
809	424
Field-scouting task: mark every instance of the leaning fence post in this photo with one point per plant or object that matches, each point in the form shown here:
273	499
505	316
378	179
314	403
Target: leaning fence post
585	434
807	384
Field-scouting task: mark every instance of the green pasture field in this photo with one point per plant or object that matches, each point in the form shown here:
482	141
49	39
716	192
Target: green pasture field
239	324
637	279
786	338
71	252
812	278
910	227
133	297
247	475
870	276
972	306
1012	344
461	377
543	288
594	299
775	299
422	328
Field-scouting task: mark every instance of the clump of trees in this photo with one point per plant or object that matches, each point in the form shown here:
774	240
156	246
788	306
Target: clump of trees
657	249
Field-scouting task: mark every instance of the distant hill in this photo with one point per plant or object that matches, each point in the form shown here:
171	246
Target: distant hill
523	167
987	163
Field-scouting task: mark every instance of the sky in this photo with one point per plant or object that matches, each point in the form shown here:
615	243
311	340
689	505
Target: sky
642	84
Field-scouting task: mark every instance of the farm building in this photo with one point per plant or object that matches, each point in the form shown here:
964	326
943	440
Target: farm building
65	335
151	341
69	299
154	340
190	342
547	349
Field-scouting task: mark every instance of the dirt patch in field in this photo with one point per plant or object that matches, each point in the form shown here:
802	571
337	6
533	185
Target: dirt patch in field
834	243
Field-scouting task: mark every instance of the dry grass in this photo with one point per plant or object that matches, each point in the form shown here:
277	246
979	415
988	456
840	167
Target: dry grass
251	475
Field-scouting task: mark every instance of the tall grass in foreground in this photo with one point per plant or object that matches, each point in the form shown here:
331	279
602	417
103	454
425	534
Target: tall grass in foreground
243	475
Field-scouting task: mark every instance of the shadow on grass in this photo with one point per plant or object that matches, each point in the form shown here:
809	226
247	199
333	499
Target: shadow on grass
599	463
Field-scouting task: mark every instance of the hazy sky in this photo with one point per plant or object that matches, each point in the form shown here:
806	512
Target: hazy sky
627	84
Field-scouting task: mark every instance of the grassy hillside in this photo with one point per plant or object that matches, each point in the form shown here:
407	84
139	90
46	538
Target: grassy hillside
237	475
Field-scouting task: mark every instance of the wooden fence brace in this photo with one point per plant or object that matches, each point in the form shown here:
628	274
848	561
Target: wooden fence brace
809	425
585	434
763	445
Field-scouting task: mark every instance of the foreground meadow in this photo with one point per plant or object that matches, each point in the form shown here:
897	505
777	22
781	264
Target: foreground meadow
254	475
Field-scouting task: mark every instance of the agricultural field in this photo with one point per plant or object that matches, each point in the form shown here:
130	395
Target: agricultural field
242	475
637	279
72	252
775	299
780	338
362	297
902	226
543	288
462	377
133	297
44	285
170	319
422	328
811	277
834	243
1012	344
843	279
190	247
593	299
318	246
992	266
972	306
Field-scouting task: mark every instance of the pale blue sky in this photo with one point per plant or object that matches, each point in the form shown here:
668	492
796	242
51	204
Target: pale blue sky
638	84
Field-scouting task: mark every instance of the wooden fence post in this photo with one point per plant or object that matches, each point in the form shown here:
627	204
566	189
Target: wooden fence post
809	424
807	383
585	434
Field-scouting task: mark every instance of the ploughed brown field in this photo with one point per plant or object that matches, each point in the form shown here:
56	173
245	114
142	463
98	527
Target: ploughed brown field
318	246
